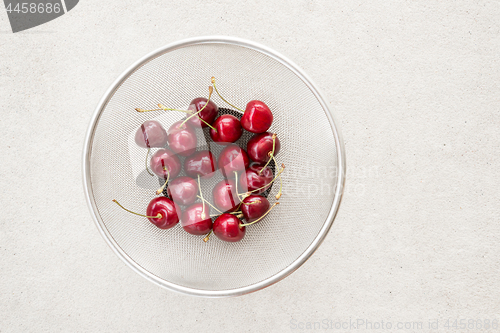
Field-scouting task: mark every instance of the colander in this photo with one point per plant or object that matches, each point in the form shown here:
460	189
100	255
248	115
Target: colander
311	149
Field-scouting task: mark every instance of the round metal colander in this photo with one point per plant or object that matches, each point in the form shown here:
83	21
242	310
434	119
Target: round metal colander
311	149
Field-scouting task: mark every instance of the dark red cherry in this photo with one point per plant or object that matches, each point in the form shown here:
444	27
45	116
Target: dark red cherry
200	163
151	134
182	138
169	211
228	129
193	222
183	190
254	207
231	159
227	227
225	196
260	145
252	180
208	114
164	159
257	117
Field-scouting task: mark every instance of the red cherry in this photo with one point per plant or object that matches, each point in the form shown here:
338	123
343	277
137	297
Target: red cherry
209	113
252	179
182	138
193	222
225	196
260	145
228	129
254	206
257	117
227	228
169	212
231	159
151	134
164	159
201	163
183	190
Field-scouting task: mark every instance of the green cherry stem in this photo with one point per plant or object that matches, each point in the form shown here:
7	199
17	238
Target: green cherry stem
251	203
240	196
164	108
208	202
279	173
213	83
210	91
161	108
260	218
271	154
158	191
159	216
207	236
236	183
185	111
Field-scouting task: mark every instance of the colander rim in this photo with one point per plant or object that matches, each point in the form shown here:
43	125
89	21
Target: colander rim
339	186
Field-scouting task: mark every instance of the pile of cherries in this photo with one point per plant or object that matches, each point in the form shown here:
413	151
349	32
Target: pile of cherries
238	196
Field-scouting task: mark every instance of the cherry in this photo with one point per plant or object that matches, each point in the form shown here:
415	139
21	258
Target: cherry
168	210
182	138
208	113
254	206
228	227
257	178
228	129
196	219
257	117
161	211
225	196
183	190
201	163
260	147
165	163
151	134
231	159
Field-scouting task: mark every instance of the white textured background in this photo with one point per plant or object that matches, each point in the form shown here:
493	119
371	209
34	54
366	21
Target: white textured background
415	85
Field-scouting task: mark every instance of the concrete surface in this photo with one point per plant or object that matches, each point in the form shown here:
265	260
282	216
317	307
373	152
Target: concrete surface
415	85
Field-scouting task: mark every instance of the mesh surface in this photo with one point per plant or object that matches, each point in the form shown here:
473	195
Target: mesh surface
307	149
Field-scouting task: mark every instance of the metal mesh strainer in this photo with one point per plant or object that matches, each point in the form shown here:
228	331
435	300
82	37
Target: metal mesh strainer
312	151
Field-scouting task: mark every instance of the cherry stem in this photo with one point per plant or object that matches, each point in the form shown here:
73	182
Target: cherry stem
278	196
190	112
251	203
159	216
279	173
270	154
147	156
213	83
208	202
158	191
207	236
260	218
234	213
241	197
161	108
203	200
236	182
210	91
164	108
